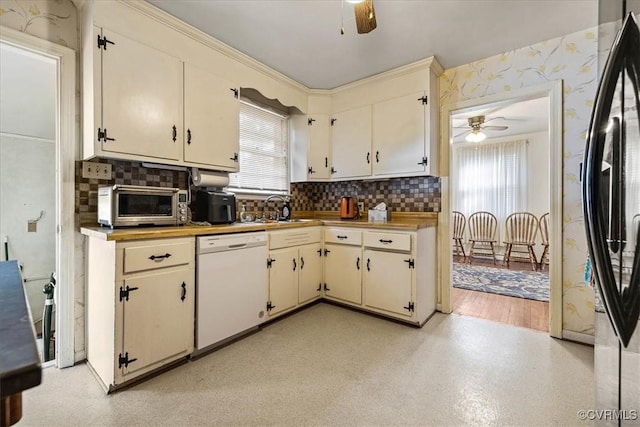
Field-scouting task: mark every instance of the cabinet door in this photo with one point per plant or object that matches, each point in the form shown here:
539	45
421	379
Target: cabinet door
399	135
141	99
388	282
343	265
318	154
310	277
211	117
283	280
351	143
157	318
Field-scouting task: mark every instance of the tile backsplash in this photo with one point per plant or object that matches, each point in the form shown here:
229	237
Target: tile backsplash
414	194
123	173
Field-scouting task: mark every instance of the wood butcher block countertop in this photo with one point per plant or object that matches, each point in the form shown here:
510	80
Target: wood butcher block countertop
399	221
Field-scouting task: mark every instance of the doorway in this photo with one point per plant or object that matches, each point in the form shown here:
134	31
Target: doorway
500	179
38	131
551	95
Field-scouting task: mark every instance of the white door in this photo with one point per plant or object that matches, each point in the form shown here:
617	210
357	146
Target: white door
388	282
318	157
351	143
211	119
399	135
310	277
343	266
158	317
141	99
283	280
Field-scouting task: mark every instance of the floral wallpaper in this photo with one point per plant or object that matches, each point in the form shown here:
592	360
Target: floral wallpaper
574	60
53	20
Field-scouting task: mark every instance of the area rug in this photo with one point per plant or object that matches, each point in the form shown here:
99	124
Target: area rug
522	284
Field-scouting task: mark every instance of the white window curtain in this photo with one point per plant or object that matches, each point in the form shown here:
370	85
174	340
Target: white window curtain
491	177
263	152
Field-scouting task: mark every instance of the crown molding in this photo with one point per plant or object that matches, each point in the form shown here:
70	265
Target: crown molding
176	24
423	64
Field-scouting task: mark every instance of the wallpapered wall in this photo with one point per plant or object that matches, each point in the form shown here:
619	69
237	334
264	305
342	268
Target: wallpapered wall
53	20
572	58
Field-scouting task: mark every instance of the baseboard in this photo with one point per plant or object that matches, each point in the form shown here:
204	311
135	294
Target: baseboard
578	337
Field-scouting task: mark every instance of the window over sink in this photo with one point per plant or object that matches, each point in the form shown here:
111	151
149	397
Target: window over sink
264	146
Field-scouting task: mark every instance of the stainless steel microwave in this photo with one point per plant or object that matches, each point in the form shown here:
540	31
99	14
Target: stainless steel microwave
131	205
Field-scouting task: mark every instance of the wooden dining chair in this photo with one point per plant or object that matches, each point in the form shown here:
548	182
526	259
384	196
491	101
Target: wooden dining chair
544	236
459	224
520	230
482	233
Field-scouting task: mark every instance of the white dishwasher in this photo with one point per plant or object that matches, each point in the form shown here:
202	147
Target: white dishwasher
231	285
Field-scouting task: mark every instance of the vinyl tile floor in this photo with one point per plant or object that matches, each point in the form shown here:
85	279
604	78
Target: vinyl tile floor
327	365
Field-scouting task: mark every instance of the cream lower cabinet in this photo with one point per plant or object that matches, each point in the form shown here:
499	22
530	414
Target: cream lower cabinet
295	268
140	306
399	279
343	265
389	282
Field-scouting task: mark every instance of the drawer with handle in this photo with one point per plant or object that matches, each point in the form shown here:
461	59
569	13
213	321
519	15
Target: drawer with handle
390	241
342	235
296	237
157	254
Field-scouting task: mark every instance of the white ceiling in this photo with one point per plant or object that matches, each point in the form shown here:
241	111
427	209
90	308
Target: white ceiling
301	38
521	117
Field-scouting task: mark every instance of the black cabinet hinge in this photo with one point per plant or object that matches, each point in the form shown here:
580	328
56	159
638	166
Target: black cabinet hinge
310	121
124	293
333	170
102	42
424	100
235	92
411	262
270	261
270	306
319	287
310	170
102	135
333	121
124	360
326	251
319	252
234	158
424	161
409	307
326	288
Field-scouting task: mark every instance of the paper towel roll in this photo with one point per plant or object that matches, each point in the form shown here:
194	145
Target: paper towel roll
209	179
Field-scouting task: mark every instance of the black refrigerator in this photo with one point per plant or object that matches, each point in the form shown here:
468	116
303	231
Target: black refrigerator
611	198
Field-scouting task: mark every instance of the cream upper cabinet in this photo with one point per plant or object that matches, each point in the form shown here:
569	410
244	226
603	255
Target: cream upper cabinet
310	147
211	120
319	149
351	143
139	90
399	137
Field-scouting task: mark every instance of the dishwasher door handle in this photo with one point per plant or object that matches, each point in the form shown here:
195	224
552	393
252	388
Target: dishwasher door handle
237	246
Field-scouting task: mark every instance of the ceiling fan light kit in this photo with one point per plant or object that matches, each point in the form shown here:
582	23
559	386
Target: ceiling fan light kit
475	137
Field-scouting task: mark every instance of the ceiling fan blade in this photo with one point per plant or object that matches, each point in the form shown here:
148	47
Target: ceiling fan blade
495	127
461	133
365	16
495	118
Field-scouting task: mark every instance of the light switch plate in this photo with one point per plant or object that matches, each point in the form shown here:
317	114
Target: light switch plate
32	226
92	170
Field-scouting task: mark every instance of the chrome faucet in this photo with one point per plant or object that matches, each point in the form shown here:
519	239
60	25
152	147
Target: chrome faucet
285	199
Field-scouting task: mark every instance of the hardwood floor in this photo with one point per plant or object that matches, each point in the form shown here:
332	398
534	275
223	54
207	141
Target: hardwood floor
503	309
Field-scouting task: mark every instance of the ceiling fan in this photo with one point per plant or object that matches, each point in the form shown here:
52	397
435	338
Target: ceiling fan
365	16
476	124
